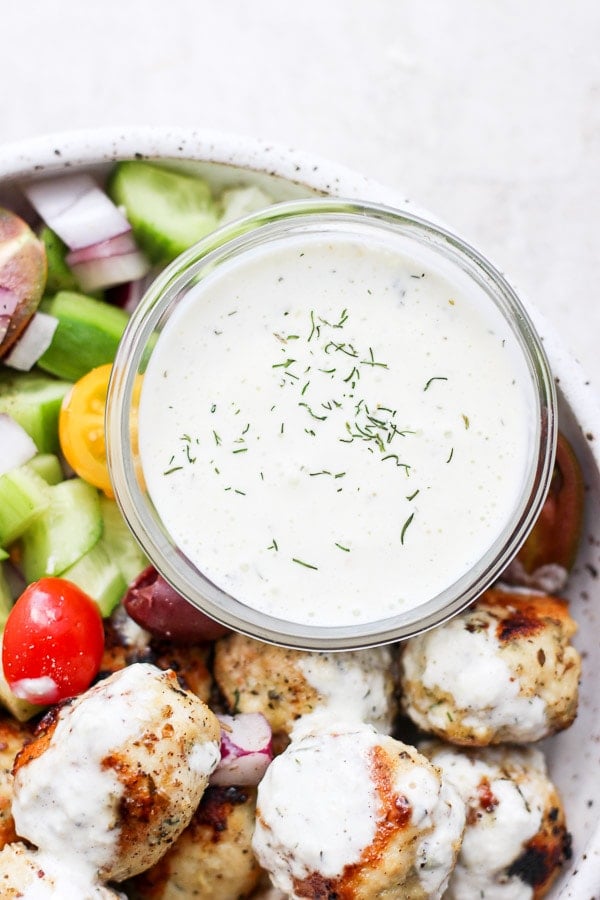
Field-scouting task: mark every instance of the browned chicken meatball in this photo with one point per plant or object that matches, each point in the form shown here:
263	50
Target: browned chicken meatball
287	685
111	780
126	643
390	828
212	859
516	838
504	670
12	737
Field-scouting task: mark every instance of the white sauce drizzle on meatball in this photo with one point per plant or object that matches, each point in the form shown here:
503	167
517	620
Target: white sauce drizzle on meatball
516	782
487	688
66	800
313	823
352	685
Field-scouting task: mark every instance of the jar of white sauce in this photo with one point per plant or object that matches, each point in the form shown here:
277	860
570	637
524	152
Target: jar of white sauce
345	426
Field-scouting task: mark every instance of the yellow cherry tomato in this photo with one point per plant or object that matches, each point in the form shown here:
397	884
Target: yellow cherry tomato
81	428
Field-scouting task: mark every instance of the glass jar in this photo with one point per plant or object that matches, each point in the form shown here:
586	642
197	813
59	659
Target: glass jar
319	290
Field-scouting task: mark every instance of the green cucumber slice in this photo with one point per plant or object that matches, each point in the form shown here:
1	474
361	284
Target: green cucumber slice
68	528
33	400
168	211
87	335
121	545
6	599
47	466
241	201
24	497
60	277
99	576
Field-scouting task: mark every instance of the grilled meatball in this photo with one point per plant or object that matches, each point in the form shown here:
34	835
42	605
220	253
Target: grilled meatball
126	643
503	670
516	838
286	685
127	761
212	859
30	873
12	737
389	828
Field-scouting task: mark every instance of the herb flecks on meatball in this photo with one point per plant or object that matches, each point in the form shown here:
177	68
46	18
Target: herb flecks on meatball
504	670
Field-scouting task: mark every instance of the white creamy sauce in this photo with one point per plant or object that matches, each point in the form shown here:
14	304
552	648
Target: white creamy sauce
37	690
309	821
421	787
333	433
488	690
66	881
497	838
438	811
436	851
66	793
204	758
354	687
472	885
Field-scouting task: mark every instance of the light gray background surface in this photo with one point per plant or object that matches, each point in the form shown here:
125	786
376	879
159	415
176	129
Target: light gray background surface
485	111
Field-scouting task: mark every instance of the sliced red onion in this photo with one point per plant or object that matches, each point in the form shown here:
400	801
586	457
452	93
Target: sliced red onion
17	446
116	246
127	296
76	209
32	343
95	274
246	750
8	302
111	262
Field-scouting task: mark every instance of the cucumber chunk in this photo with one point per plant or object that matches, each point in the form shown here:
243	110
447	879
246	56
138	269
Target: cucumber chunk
6	600
122	547
24	497
60	277
99	576
168	210
68	528
33	400
241	201
87	335
47	466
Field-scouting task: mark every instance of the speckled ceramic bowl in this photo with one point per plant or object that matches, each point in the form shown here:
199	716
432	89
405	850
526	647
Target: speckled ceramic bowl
574	755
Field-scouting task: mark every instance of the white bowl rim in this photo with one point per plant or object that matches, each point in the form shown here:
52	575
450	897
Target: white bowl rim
54	153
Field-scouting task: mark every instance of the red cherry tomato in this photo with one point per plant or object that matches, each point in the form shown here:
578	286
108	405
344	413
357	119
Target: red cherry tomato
53	642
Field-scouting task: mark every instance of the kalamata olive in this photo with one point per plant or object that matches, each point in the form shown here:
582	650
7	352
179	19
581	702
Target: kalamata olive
22	276
161	610
552	545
